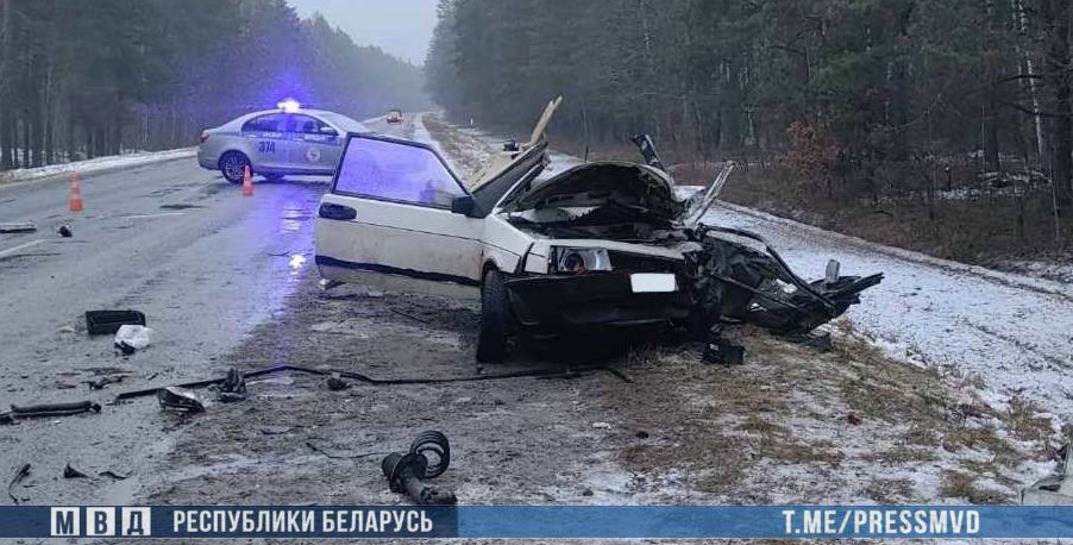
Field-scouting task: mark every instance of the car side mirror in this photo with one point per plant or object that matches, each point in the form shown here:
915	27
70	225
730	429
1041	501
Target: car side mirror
328	131
464	205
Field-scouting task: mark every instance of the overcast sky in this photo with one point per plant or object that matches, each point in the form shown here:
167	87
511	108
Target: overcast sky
401	27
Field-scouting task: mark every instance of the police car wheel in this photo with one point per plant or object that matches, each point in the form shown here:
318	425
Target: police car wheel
233	166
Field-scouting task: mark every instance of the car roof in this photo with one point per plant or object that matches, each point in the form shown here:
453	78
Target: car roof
339	120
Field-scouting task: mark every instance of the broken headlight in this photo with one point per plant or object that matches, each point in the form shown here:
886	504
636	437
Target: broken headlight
578	260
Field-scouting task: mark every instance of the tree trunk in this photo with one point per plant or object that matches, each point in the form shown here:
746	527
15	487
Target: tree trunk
1057	12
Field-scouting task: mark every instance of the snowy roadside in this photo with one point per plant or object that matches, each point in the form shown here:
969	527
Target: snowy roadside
95	165
1014	332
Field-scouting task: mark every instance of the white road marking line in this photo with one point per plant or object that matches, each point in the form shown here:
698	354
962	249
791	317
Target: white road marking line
21	246
160	215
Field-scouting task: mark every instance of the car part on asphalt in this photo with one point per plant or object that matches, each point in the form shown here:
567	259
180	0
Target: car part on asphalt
543	373
131	338
233	388
19	476
107	322
72	473
336	384
411	471
99	384
19	227
54	409
113	475
65	231
179	399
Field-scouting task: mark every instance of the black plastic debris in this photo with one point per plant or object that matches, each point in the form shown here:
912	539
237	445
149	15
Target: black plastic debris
54	409
335	383
65	231
100	383
233	388
20	227
179	399
72	473
113	475
19	476
107	322
411	471
720	351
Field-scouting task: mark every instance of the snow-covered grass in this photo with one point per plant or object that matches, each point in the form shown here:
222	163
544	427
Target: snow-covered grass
97	164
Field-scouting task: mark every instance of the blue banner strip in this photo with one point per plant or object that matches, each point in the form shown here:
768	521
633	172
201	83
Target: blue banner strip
547	522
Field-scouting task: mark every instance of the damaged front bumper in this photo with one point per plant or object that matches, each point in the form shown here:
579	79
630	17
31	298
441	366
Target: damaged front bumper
601	298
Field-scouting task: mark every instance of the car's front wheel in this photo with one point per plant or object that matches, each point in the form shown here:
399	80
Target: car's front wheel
233	166
496	319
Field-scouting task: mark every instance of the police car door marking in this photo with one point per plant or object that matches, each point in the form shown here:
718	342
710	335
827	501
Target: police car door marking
266	146
313	154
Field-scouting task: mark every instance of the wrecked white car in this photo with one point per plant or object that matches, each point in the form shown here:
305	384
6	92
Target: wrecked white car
602	243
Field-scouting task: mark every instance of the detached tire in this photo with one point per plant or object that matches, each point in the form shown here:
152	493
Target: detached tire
233	166
496	319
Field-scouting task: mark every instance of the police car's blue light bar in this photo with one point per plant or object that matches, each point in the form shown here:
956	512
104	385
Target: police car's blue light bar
289	105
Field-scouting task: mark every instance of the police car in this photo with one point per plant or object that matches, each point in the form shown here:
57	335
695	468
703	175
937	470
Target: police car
288	140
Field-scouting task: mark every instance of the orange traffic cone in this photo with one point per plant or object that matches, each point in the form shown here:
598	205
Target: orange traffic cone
247	183
74	194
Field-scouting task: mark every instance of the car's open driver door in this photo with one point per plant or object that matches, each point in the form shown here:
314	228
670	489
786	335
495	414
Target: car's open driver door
389	211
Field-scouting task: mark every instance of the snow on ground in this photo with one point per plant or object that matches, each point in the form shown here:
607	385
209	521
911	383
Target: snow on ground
95	165
1013	331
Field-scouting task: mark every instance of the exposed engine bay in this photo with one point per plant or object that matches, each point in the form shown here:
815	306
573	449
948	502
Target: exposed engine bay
727	279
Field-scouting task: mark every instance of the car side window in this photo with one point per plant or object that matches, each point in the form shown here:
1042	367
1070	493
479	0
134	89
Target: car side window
304	124
266	123
396	172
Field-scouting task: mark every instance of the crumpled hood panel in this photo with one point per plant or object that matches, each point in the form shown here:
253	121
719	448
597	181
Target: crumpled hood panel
629	185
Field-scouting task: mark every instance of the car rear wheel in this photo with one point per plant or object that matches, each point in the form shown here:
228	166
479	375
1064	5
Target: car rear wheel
496	319
233	166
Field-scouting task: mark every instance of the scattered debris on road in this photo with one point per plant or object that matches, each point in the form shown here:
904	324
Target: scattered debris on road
72	473
179	399
233	388
100	383
108	322
131	338
335	383
48	410
65	231
20	227
19	476
334	456
410	472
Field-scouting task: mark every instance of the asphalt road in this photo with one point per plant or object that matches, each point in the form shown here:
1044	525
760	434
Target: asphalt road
179	243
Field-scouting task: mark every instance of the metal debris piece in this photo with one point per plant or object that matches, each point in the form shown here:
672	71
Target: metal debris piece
65	231
54	409
72	473
411	471
233	388
18	227
19	476
179	399
104	381
335	383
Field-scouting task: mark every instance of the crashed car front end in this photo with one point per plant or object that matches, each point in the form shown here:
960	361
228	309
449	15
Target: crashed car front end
580	283
614	245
